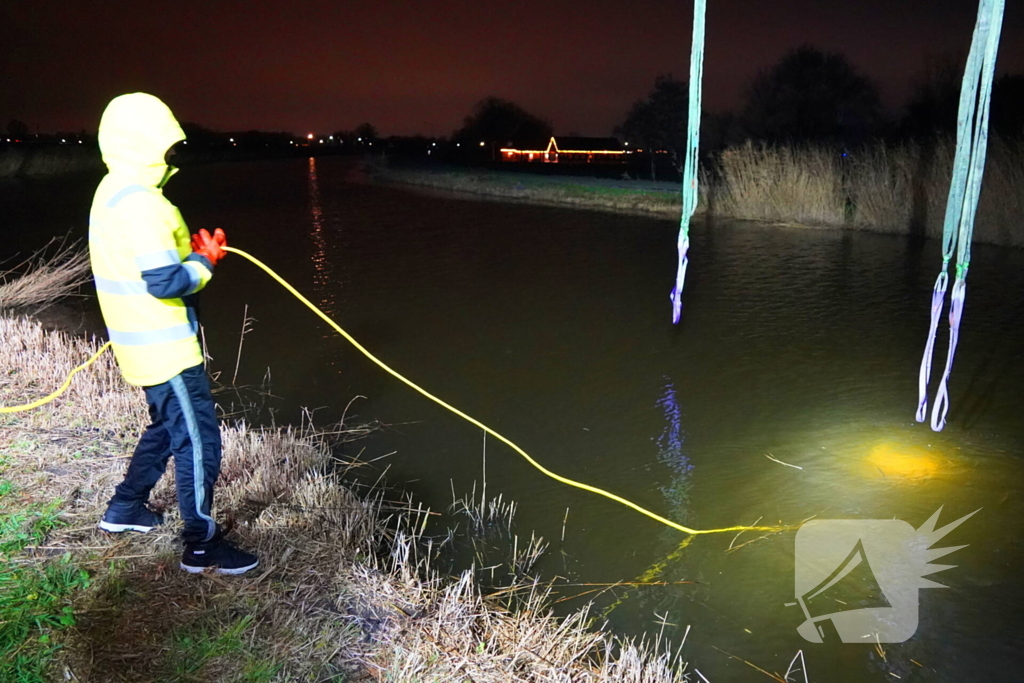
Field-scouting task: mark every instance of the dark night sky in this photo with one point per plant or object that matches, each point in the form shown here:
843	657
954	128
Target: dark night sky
419	67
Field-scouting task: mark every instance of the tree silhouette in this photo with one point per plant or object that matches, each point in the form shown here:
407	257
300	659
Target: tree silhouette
934	106
811	96
659	121
498	121
18	130
198	134
366	132
934	101
1008	106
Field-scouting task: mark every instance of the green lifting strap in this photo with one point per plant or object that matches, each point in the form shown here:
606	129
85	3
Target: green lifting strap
690	169
962	202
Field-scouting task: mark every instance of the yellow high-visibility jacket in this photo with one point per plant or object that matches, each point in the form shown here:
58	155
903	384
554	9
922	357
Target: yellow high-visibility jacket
139	247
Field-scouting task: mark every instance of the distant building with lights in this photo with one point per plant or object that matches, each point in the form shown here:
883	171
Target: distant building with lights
570	150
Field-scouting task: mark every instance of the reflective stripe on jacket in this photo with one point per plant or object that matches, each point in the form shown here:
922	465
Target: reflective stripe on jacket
142	261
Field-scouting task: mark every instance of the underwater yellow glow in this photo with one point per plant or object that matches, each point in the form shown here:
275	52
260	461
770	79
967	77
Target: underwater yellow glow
899	460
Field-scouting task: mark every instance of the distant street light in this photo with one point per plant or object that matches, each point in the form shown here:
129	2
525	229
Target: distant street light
481	143
309	137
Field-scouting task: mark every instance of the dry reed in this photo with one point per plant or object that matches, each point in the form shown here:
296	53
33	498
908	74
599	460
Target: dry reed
54	272
780	184
898	189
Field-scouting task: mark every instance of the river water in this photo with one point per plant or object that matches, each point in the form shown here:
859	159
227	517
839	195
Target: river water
553	327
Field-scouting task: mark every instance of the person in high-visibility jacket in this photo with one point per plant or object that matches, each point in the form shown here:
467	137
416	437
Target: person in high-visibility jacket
147	271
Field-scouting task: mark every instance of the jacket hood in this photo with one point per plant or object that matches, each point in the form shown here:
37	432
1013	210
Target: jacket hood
136	130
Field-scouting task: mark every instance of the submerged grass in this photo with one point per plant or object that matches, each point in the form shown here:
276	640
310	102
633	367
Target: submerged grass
348	587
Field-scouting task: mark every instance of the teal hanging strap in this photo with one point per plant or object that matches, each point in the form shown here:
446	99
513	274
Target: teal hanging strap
962	203
690	169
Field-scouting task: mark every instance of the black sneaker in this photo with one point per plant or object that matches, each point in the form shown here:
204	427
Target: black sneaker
129	517
218	554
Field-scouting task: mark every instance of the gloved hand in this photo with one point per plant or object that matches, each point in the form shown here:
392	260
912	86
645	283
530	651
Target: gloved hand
205	244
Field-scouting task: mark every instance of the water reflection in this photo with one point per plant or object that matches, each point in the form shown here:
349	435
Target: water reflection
794	343
670	452
667	572
323	277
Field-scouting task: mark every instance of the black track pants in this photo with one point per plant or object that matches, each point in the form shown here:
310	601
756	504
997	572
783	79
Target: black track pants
183	424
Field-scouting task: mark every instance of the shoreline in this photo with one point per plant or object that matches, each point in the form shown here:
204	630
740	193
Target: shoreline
888	190
346	587
880	188
40	161
581	192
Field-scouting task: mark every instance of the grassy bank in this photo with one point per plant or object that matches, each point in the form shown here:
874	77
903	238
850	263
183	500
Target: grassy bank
347	589
887	189
580	192
39	160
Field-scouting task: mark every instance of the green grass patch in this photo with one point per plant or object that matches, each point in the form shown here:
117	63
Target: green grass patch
198	648
35	602
34	596
28	523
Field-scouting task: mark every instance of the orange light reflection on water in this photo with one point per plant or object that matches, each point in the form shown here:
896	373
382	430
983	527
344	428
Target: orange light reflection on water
904	461
323	277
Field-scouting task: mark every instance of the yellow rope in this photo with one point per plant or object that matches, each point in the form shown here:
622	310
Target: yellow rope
650	575
61	390
517	449
421	390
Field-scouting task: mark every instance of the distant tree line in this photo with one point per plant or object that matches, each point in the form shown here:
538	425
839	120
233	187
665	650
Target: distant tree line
497	121
809	96
817	97
17	130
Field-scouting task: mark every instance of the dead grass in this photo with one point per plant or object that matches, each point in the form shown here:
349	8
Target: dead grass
881	188
54	272
883	183
780	185
347	588
904	190
1002	197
